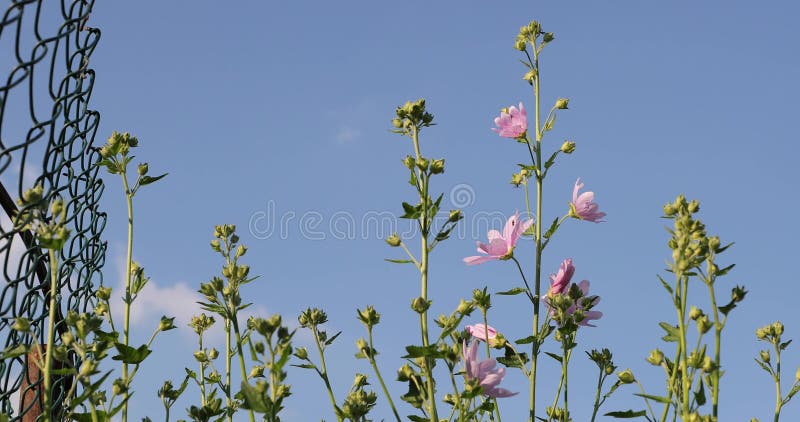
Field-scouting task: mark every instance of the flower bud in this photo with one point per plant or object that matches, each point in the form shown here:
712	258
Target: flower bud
213	353
695	313
101	309
703	324
369	316
797	375
166	323
142	169
562	103
530	76
520	43
547	37
362	346
259	346
738	293
409	162
708	365
257	372
215	245
422	163
693	206
761	333
201	356
118	387
67	338
103	293
465	308
455	215
301	353
764	355
420	305
568	147
778	326
405	373
394	240
240	251
656	357
88	367
214	377
437	166
626	376
396	122
21	324
360	381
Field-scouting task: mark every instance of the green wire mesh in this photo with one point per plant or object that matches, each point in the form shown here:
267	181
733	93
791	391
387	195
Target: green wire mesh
47	132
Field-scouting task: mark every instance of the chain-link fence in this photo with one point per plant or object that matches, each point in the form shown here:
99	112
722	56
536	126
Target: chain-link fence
47	131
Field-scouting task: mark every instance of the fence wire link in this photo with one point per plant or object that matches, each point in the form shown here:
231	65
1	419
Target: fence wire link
47	132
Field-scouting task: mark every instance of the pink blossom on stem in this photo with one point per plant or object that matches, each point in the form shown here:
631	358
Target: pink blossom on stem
588	315
500	246
559	282
485	372
512	122
583	206
481	332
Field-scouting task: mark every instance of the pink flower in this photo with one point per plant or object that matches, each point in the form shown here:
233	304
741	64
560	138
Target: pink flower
588	315
485	372
583	206
559	282
481	332
500	246
512	123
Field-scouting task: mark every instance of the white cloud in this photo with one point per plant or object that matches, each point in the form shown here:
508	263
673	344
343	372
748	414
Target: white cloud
177	300
347	134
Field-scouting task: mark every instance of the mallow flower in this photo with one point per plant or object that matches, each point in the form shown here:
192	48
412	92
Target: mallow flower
559	282
583	206
512	122
500	246
588	315
485	372
481	332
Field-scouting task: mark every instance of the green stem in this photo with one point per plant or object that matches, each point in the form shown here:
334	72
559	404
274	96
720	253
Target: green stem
128	296
489	356
202	375
324	373
423	268
646	400
671	384
597	394
228	357
778	395
48	356
458	397
538	235
240	352
684	364
380	378
718	325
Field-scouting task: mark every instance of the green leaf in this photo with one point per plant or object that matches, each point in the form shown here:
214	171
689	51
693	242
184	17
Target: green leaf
130	355
146	180
725	270
306	366
552	229
765	367
727	308
526	340
659	399
784	345
552	158
513	292
13	351
411	212
253	399
627	414
415	418
673	333
554	356
700	394
330	340
420	351
399	261
665	284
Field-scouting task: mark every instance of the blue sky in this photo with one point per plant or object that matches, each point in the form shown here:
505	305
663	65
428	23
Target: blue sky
286	106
